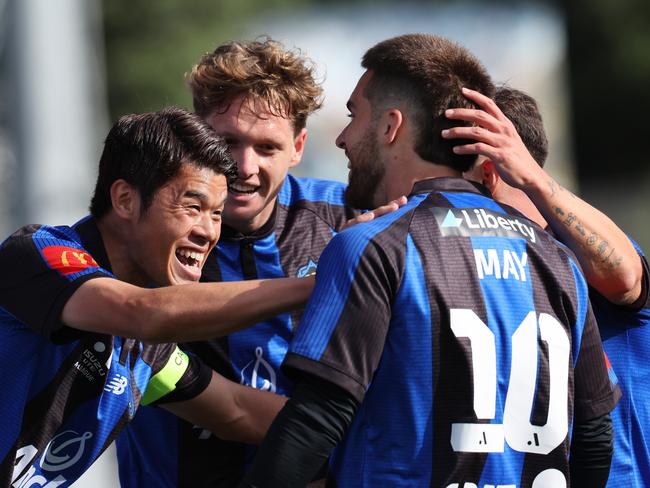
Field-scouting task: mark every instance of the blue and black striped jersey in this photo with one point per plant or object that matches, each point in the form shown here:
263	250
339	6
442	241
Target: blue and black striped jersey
466	333
65	393
626	338
159	450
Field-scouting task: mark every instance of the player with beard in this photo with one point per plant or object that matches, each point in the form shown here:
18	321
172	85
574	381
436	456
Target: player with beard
449	343
256	95
511	146
85	309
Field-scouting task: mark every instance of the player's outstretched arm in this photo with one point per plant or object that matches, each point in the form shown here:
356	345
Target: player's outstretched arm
181	313
610	262
231	411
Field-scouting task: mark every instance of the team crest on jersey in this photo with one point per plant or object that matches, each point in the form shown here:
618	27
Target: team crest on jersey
471	222
68	260
308	269
255	369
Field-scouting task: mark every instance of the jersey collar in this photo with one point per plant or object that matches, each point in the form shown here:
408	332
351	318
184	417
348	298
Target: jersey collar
449	184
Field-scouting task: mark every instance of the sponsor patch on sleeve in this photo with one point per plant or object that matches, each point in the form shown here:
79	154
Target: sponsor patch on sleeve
68	260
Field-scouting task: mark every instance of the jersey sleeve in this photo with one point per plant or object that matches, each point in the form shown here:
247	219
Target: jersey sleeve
644	298
176	376
344	327
596	390
41	268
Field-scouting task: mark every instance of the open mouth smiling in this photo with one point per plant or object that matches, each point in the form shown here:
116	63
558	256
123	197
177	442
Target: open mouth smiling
243	188
190	258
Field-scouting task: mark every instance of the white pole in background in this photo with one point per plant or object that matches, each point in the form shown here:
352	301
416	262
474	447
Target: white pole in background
58	105
55	105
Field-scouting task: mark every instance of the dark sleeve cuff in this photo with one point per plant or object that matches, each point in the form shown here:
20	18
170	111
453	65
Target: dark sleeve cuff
644	298
597	408
296	366
53	321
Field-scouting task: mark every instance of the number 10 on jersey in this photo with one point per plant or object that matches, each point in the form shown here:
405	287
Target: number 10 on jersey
516	429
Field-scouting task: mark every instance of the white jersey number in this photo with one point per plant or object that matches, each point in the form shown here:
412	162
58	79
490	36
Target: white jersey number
516	429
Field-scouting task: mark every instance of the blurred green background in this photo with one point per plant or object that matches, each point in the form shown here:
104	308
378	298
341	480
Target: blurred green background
608	43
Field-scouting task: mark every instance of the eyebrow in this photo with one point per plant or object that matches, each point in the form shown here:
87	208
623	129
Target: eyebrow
255	141
195	194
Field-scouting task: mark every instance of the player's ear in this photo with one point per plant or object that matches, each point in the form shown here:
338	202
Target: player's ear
490	176
298	147
125	199
390	123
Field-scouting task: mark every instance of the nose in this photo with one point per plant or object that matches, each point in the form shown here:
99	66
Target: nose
340	140
206	230
247	162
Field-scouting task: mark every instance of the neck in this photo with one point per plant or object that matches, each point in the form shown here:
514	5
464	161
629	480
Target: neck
254	225
519	200
403	173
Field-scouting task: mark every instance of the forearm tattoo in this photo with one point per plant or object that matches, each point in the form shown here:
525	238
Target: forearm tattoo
606	259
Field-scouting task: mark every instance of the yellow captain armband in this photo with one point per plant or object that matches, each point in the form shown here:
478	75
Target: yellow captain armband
164	381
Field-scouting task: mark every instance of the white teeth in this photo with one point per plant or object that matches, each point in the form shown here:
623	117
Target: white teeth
243	187
196	257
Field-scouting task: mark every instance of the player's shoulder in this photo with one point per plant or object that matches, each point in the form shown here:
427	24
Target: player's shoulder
40	236
296	189
386	230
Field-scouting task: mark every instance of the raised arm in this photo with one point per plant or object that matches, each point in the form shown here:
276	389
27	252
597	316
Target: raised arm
180	313
610	263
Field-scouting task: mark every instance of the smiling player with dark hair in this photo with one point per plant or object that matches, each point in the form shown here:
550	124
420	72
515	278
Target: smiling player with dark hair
85	310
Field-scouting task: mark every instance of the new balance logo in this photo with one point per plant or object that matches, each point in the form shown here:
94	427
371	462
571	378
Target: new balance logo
481	222
117	385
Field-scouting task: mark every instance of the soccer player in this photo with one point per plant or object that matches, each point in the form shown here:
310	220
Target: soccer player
449	343
84	309
257	95
510	164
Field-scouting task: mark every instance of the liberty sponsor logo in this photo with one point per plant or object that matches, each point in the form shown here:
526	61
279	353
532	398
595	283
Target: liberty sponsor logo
481	222
502	264
117	385
62	452
308	269
68	260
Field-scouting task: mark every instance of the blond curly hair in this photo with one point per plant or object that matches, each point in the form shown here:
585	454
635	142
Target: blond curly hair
261	69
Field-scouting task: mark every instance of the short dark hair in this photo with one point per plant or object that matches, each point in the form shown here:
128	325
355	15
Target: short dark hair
523	112
147	150
262	69
425	73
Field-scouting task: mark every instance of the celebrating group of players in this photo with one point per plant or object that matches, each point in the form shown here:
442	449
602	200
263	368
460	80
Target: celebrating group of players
451	336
